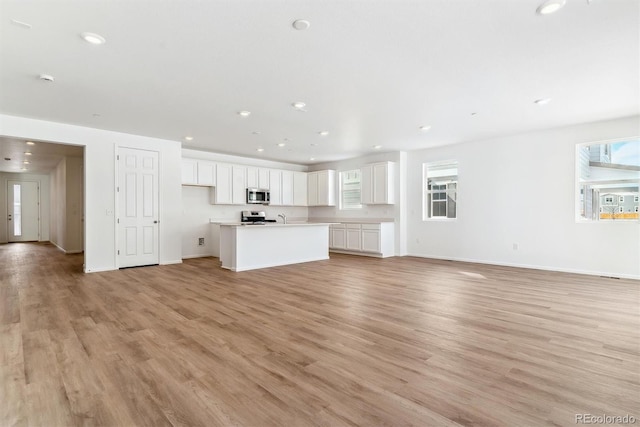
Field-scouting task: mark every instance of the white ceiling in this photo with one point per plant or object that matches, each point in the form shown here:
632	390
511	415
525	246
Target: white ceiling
43	159
371	72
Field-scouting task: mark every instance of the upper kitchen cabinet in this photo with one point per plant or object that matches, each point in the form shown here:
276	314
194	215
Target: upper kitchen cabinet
222	193
189	172
258	178
293	188
300	189
378	184
275	189
321	189
198	172
239	185
206	173
231	185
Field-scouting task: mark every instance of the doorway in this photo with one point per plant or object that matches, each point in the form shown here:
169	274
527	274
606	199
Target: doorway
23	211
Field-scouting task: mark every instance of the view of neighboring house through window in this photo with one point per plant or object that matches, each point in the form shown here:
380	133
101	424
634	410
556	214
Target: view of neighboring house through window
441	190
608	178
350	189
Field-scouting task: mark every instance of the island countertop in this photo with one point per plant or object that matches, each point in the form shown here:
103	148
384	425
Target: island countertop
270	224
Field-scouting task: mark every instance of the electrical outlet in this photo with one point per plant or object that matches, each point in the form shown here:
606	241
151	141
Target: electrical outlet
200	241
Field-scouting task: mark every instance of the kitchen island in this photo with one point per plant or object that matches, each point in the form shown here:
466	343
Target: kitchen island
248	247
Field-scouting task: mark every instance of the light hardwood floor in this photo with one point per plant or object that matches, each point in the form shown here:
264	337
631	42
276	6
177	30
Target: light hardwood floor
348	341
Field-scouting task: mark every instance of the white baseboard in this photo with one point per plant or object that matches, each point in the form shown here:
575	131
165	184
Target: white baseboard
99	270
532	266
197	256
178	261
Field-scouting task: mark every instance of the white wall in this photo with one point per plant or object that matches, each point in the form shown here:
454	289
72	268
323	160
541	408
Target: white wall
197	209
66	205
43	181
521	190
100	179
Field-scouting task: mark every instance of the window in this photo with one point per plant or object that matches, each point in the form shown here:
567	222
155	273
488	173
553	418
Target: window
607	180
440	190
350	189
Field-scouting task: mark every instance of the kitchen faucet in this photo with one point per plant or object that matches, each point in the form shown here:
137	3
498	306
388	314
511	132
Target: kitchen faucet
284	218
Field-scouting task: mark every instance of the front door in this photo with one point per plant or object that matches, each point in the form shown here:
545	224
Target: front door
23	216
138	207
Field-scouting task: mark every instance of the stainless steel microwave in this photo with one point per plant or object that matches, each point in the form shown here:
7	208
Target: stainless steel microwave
257	196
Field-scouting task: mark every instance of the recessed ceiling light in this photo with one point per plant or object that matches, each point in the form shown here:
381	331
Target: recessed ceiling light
282	144
244	113
312	144
188	138
46	77
301	24
323	133
23	169
377	147
255	132
26	162
474	114
312	158
28	153
96	115
542	101
31	143
550	6
425	128
299	105
260	149
93	38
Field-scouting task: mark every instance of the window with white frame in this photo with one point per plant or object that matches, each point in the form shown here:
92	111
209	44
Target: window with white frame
350	189
440	190
608	180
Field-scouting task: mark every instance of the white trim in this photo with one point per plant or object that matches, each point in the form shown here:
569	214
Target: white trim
532	266
178	261
198	256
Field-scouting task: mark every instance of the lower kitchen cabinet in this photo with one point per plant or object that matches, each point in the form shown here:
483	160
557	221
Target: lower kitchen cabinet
354	237
372	239
337	236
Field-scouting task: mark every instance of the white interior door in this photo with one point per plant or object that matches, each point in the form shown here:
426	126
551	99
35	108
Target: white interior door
23	216
138	219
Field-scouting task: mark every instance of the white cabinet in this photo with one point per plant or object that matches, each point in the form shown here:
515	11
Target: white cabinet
257	178
378	184
337	236
354	237
276	187
221	194
321	189
230	188
372	239
239	185
189	172
206	173
286	181
198	172
299	189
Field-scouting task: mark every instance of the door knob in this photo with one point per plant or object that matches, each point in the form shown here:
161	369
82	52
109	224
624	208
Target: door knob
155	222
